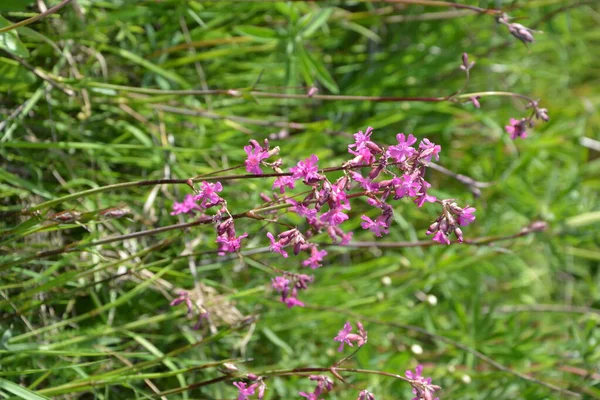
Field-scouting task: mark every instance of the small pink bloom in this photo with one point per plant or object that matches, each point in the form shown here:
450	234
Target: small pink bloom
187	206
517	128
307	170
276	246
429	150
208	196
316	256
256	155
403	149
282	182
466	216
377	227
441	237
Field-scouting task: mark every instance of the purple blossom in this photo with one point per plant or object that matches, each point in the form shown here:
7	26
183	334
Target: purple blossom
187	206
429	150
307	170
424	197
345	337
183	298
365	395
406	186
422	386
276	246
244	392
441	237
292	301
466	216
282	182
403	149
208	194
364	183
280	284
230	244
302	210
378	227
335	216
361	139
517	128
256	154
316	256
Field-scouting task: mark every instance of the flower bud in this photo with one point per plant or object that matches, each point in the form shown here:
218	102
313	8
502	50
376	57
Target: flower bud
65	217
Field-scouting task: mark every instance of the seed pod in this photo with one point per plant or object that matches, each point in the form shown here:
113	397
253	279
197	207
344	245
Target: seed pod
65	217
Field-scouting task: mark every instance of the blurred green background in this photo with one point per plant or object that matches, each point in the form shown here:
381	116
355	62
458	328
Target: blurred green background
96	323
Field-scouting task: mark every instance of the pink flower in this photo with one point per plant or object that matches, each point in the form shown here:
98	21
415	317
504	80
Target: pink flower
208	194
466	216
364	183
302	210
276	246
307	170
441	237
378	227
183	298
422	386
517	128
244	392
361	139
255	156
316	256
366	395
429	150
345	337
403	149
335	216
292	301
187	206
230	244
280	284
424	197
282	182
406	186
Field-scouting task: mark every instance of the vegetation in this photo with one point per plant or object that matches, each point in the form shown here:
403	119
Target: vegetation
109	108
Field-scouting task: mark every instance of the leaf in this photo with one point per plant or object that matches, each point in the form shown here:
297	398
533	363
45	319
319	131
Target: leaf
277	341
318	69
20	391
258	33
316	20
10	42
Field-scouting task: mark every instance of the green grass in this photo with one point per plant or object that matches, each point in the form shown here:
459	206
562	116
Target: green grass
500	320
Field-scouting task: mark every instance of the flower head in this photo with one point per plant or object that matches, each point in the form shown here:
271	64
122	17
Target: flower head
378	227
284	181
187	206
422	386
517	128
207	196
255	155
345	337
307	170
403	149
429	150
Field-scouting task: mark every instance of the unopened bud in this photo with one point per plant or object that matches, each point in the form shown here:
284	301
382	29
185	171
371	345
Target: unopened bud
433	228
110	213
228	368
65	217
312	91
459	234
521	32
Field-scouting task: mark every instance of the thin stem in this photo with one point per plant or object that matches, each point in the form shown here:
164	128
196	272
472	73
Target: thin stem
36	18
452	342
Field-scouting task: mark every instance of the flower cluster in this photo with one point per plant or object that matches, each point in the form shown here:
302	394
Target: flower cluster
345	337
422	387
288	285
448	223
324	383
206	197
391	172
